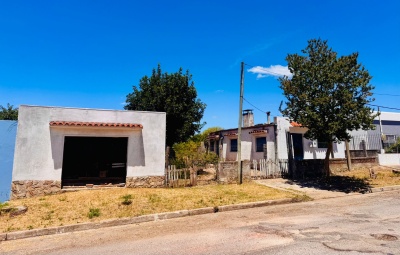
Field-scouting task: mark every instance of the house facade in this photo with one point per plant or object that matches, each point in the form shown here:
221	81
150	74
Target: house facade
61	147
257	141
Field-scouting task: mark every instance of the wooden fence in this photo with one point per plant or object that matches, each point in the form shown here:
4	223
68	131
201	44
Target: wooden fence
263	169
180	177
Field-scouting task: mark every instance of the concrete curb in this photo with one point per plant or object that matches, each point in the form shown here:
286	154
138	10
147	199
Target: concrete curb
387	188
135	220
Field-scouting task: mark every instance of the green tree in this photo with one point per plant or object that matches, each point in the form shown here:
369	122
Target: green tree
202	137
327	94
174	94
8	113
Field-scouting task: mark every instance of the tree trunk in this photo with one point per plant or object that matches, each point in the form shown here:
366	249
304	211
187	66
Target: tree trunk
326	163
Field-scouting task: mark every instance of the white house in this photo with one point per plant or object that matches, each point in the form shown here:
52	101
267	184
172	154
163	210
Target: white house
58	147
257	141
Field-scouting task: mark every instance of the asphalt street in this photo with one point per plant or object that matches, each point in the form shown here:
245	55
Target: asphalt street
358	224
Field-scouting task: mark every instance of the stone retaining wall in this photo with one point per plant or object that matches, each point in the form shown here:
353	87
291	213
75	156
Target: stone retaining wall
227	172
33	188
145	182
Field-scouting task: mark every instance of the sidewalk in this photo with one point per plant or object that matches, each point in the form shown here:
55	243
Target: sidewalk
288	185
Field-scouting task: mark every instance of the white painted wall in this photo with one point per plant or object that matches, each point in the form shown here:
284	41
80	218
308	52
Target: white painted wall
39	147
282	130
317	153
389	159
248	145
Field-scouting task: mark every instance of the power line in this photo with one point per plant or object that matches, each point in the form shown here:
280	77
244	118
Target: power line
253	105
386	107
386	95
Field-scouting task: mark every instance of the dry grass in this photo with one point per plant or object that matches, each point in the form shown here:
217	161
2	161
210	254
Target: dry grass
96	205
384	176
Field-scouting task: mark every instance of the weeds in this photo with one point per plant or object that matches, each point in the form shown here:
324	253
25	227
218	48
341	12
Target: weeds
93	212
127	199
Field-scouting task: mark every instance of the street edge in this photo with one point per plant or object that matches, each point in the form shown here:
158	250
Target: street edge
140	219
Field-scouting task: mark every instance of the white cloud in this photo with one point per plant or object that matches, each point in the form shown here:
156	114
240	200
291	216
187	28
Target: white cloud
273	70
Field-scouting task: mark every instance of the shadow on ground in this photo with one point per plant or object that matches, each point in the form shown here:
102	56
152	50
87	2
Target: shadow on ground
334	183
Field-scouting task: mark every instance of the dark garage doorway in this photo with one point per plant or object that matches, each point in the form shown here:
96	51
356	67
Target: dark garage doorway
94	160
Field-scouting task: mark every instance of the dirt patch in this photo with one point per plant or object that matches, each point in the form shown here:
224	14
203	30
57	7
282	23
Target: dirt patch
384	237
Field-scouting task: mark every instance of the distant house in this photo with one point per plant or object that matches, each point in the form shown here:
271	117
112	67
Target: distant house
60	147
282	139
258	141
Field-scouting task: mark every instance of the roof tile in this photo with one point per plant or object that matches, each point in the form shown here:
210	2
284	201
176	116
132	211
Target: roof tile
93	124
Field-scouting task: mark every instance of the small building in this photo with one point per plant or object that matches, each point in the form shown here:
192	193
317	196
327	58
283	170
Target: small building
61	147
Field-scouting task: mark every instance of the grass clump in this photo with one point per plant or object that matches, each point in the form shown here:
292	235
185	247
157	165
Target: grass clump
93	212
127	199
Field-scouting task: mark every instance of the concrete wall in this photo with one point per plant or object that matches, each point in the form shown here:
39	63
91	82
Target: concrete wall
249	151
8	132
389	159
39	147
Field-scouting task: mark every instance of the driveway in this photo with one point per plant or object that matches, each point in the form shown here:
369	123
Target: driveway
301	187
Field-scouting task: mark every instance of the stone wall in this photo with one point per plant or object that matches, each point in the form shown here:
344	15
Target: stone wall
145	182
227	172
338	165
25	189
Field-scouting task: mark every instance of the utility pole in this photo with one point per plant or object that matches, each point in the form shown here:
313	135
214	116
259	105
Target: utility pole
239	140
381	131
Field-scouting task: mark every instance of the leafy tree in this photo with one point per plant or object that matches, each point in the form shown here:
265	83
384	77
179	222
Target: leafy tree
8	113
192	153
327	94
174	94
202	137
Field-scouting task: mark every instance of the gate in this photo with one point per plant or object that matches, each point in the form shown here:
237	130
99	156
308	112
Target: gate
180	177
263	169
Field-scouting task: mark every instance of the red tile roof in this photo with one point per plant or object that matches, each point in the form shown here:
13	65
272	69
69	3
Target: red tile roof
295	124
93	124
258	131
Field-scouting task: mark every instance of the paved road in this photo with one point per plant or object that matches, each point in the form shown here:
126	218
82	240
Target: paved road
359	224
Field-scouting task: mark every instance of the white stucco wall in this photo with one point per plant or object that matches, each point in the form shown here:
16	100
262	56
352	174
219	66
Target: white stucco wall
317	153
282	130
248	145
39	147
390	159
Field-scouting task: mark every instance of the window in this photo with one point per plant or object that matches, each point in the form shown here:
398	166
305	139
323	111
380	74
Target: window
322	144
212	145
260	142
233	145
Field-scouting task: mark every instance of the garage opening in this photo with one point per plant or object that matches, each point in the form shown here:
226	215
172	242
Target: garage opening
94	160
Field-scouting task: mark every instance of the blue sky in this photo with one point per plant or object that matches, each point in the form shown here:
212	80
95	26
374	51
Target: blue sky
90	53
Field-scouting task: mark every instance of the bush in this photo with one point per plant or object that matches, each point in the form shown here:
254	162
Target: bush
395	148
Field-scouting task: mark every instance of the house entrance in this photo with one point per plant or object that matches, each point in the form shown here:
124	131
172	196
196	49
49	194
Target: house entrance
298	150
94	160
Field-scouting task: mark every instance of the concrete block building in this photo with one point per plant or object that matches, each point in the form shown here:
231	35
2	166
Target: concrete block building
61	147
